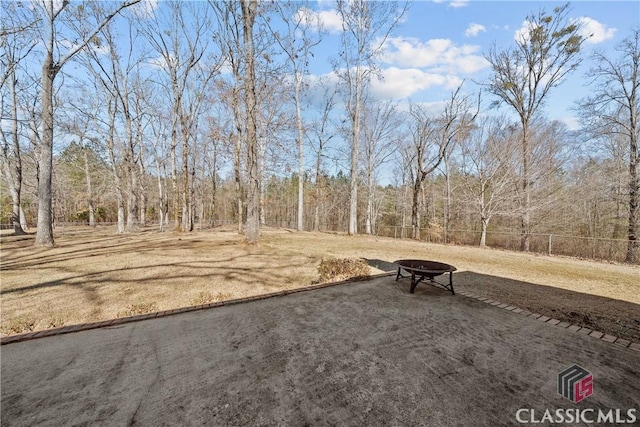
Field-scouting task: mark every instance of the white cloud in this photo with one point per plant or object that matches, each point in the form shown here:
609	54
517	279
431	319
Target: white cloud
433	108
474	29
160	62
522	34
571	122
441	55
145	8
454	3
329	20
594	31
459	3
400	83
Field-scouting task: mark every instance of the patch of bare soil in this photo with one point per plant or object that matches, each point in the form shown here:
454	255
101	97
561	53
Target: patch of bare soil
93	274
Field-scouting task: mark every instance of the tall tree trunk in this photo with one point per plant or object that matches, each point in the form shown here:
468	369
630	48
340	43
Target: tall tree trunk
355	139
249	8
132	204
263	210
262	147
44	233
370	195
447	201
634	184
186	226
483	220
214	186
165	196
238	180
132	200
300	144
415	210
15	199
121	216
23	219
174	184
192	194
160	197
525	240
112	110
483	235
142	190
142	194
12	165
318	191
87	174
186	215
50	68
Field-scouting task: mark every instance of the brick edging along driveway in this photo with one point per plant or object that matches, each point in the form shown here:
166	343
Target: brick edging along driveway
574	328
122	320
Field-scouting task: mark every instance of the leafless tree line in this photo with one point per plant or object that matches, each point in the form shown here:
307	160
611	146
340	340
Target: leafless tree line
199	112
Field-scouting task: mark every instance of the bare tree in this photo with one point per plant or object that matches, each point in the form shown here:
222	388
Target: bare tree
229	36
614	111
296	42
431	138
15	46
159	132
321	134
101	129
366	25
51	66
249	12
119	73
488	158
79	126
380	124
182	40
524	75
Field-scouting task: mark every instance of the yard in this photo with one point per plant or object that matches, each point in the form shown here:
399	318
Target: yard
94	275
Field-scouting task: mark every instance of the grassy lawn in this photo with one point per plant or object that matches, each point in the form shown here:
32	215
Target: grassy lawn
96	275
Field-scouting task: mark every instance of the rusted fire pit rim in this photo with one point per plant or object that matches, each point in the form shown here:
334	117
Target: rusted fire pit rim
424	266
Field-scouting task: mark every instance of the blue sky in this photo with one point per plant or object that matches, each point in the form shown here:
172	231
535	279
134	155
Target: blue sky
441	43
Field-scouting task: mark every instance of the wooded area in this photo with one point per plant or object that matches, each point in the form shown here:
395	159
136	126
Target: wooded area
197	113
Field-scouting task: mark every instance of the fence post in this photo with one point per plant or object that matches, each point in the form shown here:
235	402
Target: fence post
550	236
395	232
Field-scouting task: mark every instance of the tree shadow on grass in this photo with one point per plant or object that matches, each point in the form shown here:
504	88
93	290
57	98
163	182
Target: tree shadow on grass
213	270
96	270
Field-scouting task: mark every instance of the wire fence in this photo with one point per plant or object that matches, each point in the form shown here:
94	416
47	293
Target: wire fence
550	244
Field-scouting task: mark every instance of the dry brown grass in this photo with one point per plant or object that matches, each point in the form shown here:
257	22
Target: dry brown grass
95	275
336	269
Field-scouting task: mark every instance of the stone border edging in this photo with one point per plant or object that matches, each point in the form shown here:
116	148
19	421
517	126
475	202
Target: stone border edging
546	319
10	339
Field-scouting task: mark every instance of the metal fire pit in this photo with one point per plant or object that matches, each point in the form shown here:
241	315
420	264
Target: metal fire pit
425	270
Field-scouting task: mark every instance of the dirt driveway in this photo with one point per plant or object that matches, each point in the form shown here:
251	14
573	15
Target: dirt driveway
366	353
